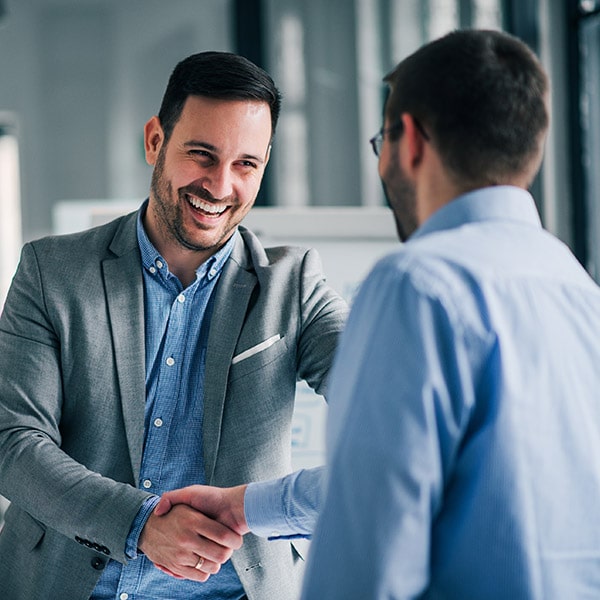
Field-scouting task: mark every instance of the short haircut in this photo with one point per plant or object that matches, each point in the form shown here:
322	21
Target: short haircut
482	97
219	75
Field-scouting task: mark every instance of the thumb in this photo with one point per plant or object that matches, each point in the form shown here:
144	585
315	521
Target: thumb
163	507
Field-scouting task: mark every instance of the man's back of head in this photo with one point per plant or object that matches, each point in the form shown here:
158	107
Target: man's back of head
482	96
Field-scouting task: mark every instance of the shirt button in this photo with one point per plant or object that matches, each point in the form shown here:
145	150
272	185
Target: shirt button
147	483
181	298
123	596
170	361
159	264
152	270
158	422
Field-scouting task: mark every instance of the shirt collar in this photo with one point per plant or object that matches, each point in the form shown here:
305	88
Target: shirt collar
151	257
497	203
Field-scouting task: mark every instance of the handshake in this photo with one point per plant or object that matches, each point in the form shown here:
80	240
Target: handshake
194	530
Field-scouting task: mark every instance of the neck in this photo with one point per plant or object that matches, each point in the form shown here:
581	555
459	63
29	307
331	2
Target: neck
434	188
183	264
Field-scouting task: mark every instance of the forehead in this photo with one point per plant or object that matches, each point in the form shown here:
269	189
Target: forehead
217	117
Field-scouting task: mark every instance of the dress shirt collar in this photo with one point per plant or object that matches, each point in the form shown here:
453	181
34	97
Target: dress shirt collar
502	202
151	257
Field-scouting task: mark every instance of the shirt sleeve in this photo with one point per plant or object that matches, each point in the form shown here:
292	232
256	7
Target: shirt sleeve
285	508
131	549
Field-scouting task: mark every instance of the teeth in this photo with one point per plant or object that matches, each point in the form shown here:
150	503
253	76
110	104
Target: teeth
205	206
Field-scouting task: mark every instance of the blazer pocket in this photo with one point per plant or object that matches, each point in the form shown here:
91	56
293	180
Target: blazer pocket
255	349
257	357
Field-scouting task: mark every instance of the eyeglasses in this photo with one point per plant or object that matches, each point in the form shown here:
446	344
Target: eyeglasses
377	140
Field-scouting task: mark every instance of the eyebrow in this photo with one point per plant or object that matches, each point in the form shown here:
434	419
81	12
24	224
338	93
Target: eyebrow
196	144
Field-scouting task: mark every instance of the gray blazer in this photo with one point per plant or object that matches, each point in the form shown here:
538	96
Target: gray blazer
72	394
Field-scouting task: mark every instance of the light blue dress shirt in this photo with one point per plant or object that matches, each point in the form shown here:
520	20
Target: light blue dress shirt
463	435
177	324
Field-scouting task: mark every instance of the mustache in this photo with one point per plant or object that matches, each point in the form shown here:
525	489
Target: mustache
202	193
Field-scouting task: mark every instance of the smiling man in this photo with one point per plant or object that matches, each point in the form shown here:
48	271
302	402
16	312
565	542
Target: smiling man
205	178
158	351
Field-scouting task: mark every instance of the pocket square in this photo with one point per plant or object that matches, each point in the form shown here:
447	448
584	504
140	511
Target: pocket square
255	349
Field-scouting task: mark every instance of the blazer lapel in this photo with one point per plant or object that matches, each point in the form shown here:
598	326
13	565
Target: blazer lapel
125	299
231	301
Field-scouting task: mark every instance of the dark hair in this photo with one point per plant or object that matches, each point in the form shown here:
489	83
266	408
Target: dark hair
481	95
220	75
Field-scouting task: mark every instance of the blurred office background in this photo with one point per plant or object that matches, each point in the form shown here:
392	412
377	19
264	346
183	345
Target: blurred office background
79	78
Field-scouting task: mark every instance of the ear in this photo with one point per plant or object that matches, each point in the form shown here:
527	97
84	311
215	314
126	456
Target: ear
153	139
414	143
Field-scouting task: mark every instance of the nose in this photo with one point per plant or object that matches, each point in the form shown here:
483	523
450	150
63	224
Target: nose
219	182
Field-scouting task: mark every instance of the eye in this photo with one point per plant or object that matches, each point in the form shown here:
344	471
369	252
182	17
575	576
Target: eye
248	164
197	153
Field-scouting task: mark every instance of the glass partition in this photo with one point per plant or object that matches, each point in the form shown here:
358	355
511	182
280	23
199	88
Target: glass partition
329	60
590	129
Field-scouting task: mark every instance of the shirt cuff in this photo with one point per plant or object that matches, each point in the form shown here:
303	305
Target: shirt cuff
285	508
131	549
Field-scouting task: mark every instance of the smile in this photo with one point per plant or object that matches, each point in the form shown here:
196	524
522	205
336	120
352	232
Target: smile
211	209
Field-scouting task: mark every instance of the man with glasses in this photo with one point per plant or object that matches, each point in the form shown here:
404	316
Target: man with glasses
464	417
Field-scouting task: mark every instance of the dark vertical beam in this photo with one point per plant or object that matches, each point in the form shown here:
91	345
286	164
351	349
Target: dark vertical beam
579	215
248	30
521	18
465	13
249	39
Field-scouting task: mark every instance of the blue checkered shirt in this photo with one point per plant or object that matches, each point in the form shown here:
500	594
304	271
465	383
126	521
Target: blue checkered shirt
177	324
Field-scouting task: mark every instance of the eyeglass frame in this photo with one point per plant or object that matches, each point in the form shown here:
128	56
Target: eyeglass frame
377	140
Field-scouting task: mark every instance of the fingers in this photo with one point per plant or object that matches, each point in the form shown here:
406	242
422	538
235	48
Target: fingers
211	530
202	570
192	495
168	571
163	507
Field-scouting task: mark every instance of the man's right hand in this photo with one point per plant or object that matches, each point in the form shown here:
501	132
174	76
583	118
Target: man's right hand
226	505
176	541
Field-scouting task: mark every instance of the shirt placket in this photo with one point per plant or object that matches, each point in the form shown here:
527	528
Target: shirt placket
167	393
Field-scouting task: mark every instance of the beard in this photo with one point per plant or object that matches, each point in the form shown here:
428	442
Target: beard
169	214
401	198
169	218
